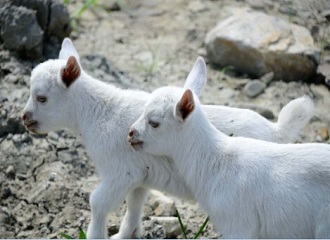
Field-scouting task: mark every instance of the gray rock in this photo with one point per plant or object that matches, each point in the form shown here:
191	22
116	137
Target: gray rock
59	21
256	43
10	171
153	229
170	224
26	25
324	69
254	88
11	125
20	31
161	204
41	7
267	78
257	4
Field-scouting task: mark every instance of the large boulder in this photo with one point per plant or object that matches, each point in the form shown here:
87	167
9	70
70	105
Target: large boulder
256	43
26	25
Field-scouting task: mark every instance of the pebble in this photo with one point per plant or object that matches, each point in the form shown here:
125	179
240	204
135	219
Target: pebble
53	136
26	137
254	88
17	138
52	176
267	78
322	134
170	224
161	204
10	171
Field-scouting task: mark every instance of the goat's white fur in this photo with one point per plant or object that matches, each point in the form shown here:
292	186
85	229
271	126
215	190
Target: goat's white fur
102	115
249	188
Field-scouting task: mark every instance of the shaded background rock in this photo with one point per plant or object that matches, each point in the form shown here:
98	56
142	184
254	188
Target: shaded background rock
257	43
27	24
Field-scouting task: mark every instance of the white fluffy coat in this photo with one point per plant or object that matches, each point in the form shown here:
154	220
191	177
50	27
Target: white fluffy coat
102	115
249	188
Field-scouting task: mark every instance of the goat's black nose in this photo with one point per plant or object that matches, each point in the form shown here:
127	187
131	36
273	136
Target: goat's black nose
26	116
131	133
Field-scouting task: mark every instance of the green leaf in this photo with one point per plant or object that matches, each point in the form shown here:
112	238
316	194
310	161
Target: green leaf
82	234
181	224
66	236
201	228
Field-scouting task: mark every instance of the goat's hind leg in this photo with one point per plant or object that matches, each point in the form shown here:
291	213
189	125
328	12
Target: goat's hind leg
105	198
131	226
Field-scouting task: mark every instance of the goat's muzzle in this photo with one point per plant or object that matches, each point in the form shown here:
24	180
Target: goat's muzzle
31	124
135	143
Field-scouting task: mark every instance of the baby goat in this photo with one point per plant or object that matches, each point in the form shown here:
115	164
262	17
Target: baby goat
62	95
249	188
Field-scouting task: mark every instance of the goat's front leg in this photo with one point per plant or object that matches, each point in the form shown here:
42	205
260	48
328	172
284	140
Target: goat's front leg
131	226
105	198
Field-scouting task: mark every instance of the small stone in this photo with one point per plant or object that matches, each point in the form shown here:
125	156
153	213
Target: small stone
17	138
267	78
25	137
10	172
52	176
53	136
162	205
9	136
326	15
266	113
196	6
327	59
114	7
113	229
254	88
170	224
256	4
318	138
323	134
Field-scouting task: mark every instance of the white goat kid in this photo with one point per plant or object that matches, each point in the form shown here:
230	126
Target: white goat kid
62	95
249	188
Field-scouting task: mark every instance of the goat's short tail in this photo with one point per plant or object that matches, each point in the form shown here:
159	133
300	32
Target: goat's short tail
293	118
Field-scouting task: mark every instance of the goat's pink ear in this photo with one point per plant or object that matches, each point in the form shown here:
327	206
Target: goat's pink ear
186	105
71	71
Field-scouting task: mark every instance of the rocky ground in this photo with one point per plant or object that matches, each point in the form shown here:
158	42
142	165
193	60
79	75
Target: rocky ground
46	181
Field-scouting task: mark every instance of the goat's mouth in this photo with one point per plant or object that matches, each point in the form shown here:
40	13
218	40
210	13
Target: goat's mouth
31	125
137	145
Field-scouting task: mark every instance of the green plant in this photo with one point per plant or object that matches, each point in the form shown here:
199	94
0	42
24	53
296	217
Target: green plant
82	235
151	67
76	15
223	72
184	228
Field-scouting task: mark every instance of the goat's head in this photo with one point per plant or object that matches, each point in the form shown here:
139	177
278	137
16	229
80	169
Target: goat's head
166	112
47	107
162	120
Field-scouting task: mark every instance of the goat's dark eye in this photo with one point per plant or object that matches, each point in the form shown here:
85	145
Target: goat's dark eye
153	124
41	99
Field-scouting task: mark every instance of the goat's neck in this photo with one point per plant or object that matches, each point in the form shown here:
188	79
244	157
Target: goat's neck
202	145
93	100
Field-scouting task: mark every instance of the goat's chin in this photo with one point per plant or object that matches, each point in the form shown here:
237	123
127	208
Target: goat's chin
138	146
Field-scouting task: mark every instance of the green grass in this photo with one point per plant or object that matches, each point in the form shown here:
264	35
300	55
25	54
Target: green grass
223	72
82	235
183	228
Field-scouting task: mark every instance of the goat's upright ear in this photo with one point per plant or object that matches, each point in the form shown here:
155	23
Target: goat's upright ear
197	77
70	72
185	106
68	50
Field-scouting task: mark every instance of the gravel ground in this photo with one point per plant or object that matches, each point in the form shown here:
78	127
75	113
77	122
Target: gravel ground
46	180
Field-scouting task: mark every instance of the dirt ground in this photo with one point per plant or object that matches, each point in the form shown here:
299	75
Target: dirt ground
46	181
